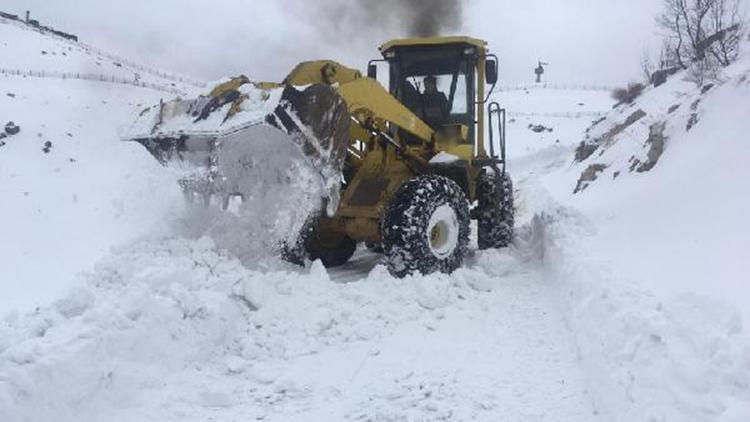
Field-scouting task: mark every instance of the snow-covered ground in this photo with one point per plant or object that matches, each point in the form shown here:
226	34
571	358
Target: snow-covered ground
63	209
35	52
170	329
617	303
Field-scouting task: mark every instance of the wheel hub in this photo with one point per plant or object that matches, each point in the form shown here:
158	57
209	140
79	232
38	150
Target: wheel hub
442	231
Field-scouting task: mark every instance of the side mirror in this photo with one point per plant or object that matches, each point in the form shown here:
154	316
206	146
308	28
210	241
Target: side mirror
490	71
372	71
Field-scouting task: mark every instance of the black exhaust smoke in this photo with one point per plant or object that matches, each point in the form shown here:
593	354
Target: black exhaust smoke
427	18
358	18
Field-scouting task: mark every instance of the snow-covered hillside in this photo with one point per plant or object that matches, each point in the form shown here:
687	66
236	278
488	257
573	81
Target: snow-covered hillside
70	188
35	53
667	178
599	311
652	252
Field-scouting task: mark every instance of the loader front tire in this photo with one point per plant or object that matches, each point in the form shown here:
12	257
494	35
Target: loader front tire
494	210
331	249
332	253
426	227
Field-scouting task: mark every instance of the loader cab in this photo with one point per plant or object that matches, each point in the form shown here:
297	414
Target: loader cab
458	66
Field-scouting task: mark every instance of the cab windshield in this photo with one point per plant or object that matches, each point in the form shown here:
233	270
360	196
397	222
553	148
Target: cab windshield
433	84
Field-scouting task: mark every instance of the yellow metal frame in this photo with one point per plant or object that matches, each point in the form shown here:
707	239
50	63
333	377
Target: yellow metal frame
408	42
387	163
482	52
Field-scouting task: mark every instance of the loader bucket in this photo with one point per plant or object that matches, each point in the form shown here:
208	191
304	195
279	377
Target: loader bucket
279	145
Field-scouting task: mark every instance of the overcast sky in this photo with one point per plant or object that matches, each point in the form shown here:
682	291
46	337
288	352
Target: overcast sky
594	41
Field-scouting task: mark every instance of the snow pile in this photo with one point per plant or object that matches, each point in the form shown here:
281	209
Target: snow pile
171	329
684	357
246	148
179	116
651	253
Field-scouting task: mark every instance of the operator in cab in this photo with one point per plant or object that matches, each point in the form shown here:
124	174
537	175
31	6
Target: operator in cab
434	104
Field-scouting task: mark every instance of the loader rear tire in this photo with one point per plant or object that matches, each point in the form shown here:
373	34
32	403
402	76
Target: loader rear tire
426	227
494	210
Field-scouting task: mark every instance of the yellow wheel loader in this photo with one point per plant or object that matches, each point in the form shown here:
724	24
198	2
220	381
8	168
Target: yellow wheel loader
402	169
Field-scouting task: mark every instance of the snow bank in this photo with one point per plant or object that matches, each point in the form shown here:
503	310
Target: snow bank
665	182
171	329
677	358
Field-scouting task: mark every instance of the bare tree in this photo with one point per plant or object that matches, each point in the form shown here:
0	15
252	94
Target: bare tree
647	66
725	24
702	34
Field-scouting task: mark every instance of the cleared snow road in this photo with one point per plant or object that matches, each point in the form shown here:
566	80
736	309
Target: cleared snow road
169	330
503	354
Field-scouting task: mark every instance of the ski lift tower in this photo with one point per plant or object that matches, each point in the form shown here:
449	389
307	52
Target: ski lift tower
539	71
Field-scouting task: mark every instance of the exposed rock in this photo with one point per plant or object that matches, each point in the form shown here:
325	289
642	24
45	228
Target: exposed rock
12	128
634	163
673	108
655	142
617	129
706	88
615	174
584	150
660	76
47	147
628	94
694	105
539	128
691	122
597	121
594	123
634	117
589	175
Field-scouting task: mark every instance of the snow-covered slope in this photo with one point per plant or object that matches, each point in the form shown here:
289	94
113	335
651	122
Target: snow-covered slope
33	52
70	188
671	170
652	253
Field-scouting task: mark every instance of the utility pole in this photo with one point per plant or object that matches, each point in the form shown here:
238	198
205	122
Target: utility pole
539	71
